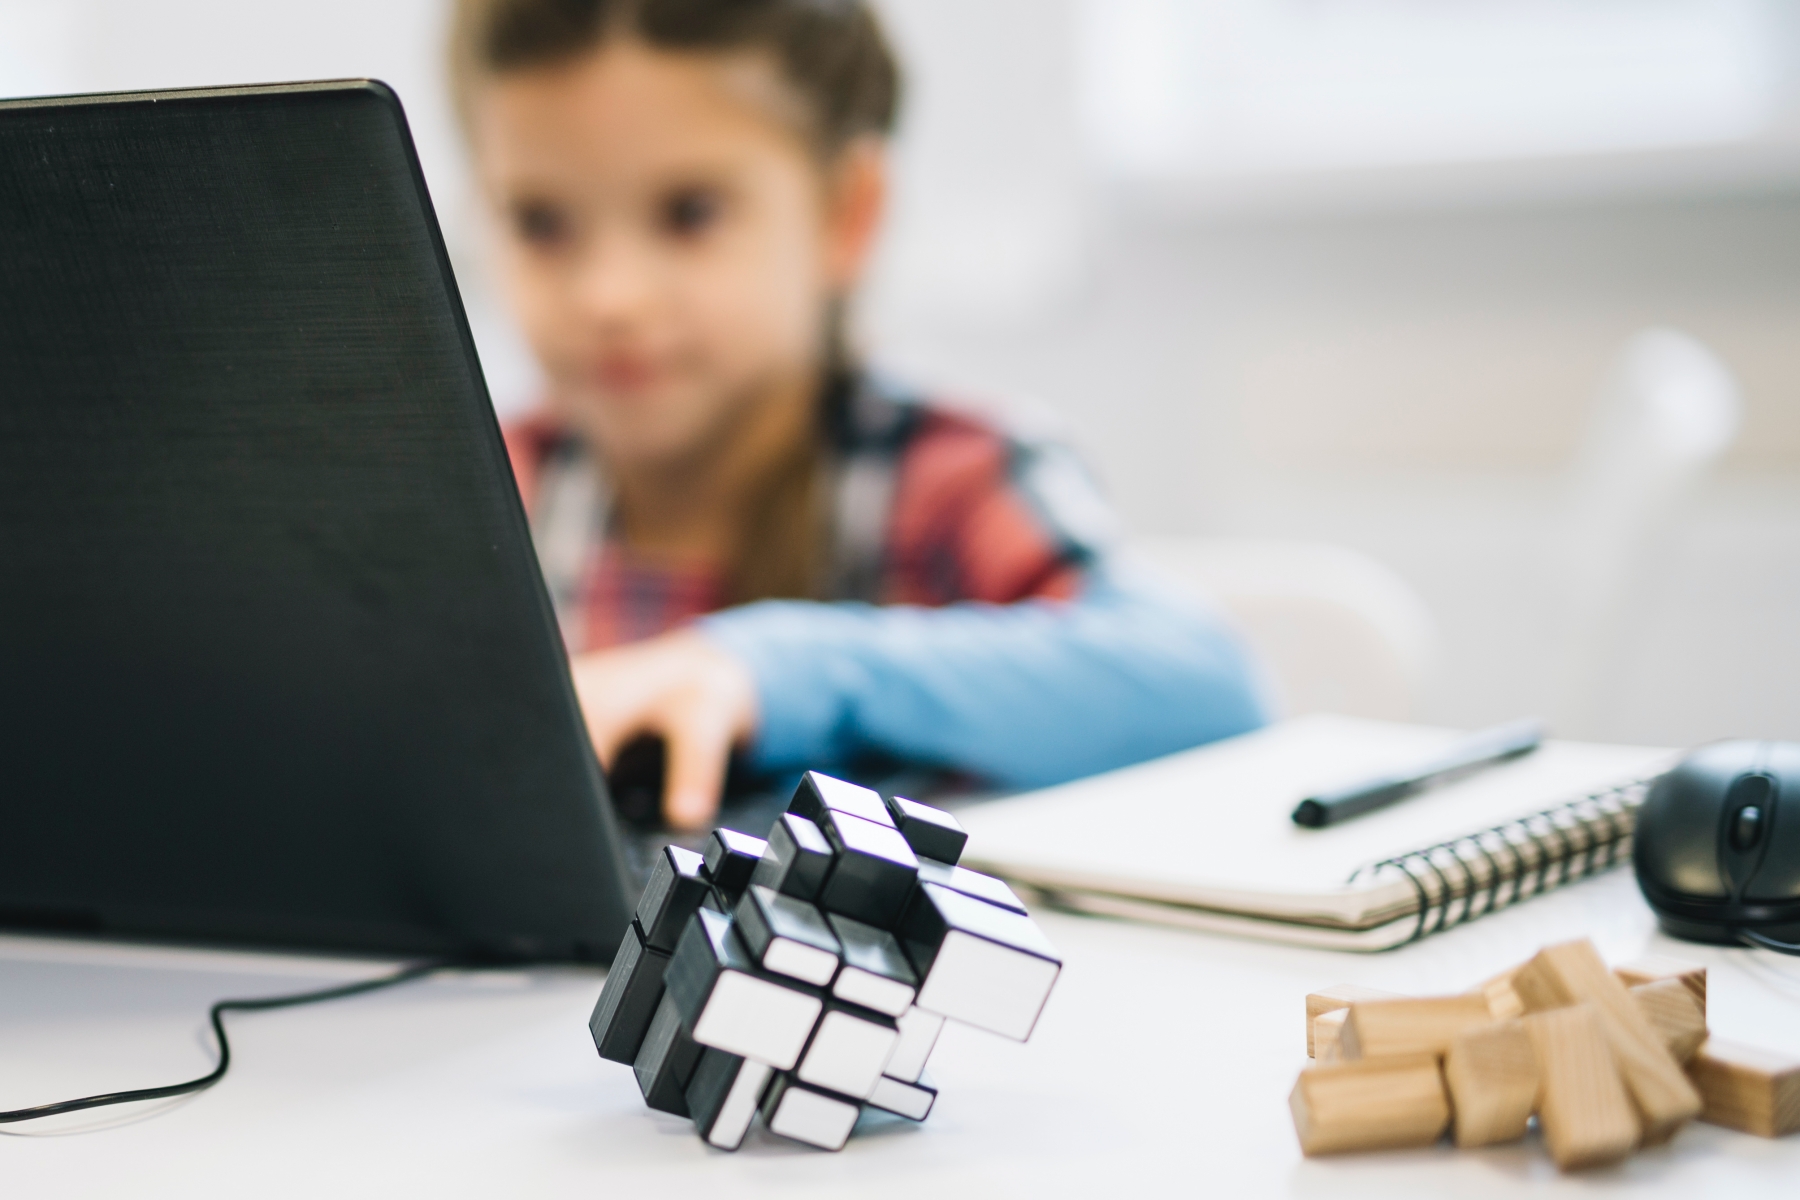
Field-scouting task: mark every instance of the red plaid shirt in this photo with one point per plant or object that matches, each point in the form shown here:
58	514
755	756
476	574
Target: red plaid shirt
932	505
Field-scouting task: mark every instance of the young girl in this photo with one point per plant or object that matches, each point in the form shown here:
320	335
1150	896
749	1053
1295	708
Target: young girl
751	541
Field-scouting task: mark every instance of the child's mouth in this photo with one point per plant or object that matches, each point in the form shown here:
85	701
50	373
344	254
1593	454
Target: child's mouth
626	375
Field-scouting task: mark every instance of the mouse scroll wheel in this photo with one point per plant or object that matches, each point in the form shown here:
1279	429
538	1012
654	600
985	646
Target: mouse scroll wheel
1746	827
1748	802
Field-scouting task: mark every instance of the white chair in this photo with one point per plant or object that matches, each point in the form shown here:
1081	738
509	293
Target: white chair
1335	630
1667	413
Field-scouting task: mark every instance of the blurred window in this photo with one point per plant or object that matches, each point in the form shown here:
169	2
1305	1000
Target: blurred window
1206	87
36	40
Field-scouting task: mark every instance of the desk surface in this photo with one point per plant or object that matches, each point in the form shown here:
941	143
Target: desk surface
1163	1061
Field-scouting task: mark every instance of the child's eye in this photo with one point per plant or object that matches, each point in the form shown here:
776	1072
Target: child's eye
539	223
691	211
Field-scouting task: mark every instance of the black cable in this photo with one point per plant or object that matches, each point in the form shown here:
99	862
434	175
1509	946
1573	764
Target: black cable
1764	942
218	1024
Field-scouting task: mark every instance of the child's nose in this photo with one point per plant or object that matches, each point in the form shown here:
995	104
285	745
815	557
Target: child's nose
617	279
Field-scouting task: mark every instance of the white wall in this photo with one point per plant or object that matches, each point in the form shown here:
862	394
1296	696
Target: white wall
1400	360
64	46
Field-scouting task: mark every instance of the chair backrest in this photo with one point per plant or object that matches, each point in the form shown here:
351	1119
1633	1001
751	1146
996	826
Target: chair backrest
1668	412
1334	630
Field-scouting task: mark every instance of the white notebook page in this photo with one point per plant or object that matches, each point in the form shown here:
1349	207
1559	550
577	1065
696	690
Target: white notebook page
1211	826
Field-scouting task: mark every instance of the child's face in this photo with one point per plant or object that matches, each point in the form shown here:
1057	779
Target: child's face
670	244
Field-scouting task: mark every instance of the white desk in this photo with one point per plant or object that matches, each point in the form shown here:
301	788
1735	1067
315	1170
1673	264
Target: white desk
1162	1065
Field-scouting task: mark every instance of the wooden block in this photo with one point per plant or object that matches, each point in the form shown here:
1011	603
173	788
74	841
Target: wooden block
1377	1028
1328	1033
1492	1074
1672	1009
1654	967
1332	999
1572	973
1583	1110
1377	1104
1503	1001
1757	1091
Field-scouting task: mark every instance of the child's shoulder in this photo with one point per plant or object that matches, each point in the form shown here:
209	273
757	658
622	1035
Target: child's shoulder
882	416
998	476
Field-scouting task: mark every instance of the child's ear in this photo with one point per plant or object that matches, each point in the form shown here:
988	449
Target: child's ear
856	194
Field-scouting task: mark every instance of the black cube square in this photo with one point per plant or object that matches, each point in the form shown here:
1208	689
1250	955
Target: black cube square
797	860
931	832
677	886
628	998
876	973
787	935
731	859
970	883
819	793
873	871
723	1096
666	1061
979	964
728	1002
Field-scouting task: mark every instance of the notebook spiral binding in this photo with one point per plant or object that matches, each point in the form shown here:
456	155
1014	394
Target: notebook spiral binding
1468	877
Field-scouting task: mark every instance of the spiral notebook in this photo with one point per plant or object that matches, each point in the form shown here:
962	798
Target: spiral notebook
1203	839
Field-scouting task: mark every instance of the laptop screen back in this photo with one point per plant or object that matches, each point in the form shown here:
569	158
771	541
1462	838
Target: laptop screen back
276	663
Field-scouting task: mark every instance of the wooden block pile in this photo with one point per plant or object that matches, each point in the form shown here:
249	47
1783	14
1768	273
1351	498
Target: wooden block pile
1607	1061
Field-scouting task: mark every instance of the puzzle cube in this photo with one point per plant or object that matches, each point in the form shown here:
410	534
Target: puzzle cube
803	977
788	936
931	832
678	884
848	1049
873	870
982	965
666	1061
918	1037
731	858
909	1099
970	883
723	1096
808	1114
876	973
727	1002
819	794
628	1001
797	860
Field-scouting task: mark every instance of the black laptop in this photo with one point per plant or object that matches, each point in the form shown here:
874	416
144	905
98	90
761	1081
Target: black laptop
277	666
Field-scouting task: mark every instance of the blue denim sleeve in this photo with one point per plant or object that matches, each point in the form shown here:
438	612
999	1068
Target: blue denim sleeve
1022	695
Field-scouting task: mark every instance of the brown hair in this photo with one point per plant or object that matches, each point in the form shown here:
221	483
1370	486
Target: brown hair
832	53
833	56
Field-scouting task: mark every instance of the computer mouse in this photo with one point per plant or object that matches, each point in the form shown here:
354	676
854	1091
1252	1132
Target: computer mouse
1717	845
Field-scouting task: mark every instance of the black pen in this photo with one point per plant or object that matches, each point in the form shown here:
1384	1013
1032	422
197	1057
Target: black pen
1467	756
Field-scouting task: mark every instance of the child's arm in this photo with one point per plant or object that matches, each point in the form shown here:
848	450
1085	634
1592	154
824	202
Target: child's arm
1051	667
1022	694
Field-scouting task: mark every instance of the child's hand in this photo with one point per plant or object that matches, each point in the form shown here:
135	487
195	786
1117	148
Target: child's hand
681	687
